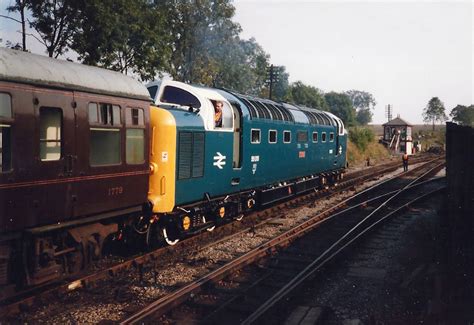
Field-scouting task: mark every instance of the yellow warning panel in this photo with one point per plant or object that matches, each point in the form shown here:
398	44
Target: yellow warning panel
162	160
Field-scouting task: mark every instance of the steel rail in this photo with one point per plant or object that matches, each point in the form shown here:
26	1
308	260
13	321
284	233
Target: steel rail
322	259
165	303
13	304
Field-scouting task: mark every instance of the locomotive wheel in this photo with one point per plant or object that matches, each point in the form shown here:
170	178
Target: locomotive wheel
209	228
239	217
170	236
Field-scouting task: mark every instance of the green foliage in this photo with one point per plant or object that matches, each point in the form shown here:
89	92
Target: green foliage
207	49
363	116
195	41
434	111
361	137
310	96
241	66
363	102
463	115
56	21
341	106
122	35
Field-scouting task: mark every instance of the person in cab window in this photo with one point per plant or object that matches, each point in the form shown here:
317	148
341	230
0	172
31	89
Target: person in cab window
218	113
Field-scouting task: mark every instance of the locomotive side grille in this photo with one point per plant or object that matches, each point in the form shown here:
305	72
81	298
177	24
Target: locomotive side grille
190	154
198	154
185	152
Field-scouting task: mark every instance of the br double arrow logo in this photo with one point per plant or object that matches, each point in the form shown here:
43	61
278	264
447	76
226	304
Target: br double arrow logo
219	160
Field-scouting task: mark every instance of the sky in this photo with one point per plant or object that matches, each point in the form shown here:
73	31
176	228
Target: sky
403	53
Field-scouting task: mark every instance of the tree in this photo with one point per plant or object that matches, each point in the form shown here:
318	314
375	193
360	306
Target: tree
363	116
341	105
310	96
241	66
125	36
202	31
363	102
434	111
20	7
463	115
56	21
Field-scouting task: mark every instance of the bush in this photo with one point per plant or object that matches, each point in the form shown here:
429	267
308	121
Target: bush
361	137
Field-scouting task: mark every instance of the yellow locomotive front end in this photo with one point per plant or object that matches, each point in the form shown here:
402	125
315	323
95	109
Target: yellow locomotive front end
161	193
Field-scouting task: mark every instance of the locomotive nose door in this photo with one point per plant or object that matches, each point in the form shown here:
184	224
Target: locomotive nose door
55	155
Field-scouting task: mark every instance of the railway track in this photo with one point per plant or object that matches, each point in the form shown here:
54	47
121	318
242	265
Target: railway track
137	264
250	287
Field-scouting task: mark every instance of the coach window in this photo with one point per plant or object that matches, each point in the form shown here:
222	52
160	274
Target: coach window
255	136
50	133
323	137
315	137
105	123
331	137
5	132
286	136
135	136
272	136
302	136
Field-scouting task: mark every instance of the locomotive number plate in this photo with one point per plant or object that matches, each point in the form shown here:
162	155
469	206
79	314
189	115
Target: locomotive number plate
112	191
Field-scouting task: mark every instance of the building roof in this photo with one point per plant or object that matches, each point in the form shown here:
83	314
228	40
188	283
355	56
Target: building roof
397	122
18	66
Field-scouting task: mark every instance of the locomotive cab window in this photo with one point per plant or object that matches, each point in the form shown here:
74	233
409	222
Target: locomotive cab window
286	136
323	137
225	118
302	136
50	133
331	137
174	95
135	136
272	136
255	136
315	137
5	132
105	123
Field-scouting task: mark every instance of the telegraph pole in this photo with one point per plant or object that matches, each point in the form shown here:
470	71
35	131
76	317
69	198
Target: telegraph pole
273	72
388	112
272	75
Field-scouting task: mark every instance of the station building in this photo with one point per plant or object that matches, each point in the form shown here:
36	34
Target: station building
397	136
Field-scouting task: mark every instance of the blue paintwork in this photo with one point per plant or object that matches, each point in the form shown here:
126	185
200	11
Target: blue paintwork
277	162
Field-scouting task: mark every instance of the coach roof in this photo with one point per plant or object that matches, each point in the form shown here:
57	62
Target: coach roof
36	69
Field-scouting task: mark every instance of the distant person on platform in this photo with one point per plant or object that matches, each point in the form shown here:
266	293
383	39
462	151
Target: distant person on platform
405	162
218	114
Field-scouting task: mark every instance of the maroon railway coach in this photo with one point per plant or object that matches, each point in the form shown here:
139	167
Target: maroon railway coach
74	161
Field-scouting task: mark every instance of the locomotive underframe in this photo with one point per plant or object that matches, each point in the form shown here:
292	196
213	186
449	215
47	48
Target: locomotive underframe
211	212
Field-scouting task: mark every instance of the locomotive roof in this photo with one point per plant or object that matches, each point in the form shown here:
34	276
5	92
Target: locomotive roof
269	109
30	68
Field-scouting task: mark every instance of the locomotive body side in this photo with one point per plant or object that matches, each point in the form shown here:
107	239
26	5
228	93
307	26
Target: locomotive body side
223	172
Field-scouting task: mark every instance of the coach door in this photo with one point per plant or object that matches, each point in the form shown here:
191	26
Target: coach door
55	129
237	149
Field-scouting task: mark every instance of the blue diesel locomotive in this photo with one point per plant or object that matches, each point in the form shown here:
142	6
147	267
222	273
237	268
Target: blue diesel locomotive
262	152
